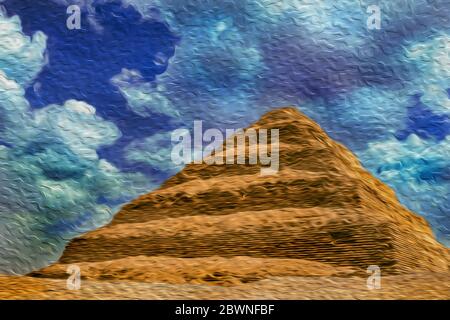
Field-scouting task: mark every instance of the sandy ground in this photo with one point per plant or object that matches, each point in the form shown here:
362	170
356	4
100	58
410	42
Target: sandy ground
412	286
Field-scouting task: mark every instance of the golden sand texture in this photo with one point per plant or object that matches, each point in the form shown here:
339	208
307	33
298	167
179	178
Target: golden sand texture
211	270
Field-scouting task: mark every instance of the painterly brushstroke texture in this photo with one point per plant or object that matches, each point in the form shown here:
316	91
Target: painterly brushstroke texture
86	115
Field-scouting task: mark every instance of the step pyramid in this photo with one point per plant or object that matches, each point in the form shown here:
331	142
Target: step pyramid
321	206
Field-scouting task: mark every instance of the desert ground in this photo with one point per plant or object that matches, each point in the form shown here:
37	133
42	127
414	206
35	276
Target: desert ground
413	286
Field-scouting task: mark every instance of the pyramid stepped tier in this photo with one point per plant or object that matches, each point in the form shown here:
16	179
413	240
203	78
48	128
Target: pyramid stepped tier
321	206
211	270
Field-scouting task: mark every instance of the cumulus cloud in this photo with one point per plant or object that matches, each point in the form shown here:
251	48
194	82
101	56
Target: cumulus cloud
21	56
53	185
143	98
419	170
218	74
237	60
76	125
154	151
363	115
432	60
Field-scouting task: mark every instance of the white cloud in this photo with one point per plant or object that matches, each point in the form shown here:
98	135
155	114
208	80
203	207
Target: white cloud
143	98
432	60
78	126
52	183
363	115
21	56
419	171
154	151
51	176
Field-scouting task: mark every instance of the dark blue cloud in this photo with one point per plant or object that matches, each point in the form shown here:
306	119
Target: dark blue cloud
425	123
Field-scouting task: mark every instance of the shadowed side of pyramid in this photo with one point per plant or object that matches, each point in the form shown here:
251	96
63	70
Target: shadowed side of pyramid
321	206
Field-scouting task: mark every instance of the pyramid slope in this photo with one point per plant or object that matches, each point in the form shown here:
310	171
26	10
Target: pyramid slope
321	206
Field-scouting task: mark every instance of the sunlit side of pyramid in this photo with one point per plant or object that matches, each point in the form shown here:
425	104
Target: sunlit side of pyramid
322	206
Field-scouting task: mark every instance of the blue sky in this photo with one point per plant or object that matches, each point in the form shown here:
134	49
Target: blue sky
83	62
138	69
